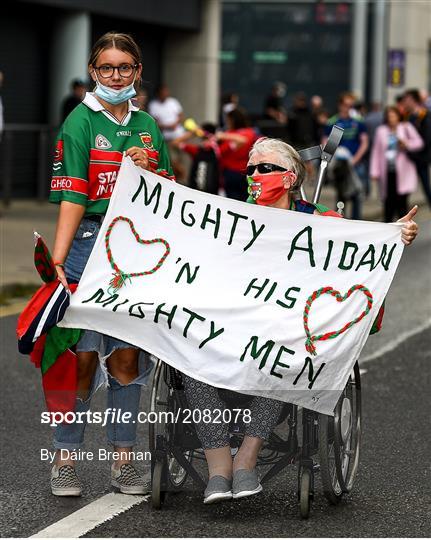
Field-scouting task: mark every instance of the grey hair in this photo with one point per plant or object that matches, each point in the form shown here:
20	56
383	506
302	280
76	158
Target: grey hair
288	157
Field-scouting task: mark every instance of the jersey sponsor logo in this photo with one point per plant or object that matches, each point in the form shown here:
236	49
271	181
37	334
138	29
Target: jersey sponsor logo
69	183
58	156
61	183
102	177
106	183
102	142
146	140
127	133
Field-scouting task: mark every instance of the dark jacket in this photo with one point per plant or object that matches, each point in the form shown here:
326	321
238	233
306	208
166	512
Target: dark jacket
422	123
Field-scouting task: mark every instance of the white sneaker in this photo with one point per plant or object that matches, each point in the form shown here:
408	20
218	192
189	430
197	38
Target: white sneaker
218	489
65	482
245	483
128	480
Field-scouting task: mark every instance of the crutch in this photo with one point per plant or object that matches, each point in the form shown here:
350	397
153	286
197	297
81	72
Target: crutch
325	155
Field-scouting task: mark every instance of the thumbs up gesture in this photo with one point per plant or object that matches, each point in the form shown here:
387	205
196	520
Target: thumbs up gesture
410	229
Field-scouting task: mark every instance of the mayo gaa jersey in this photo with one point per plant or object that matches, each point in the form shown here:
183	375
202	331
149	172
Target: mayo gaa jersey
90	148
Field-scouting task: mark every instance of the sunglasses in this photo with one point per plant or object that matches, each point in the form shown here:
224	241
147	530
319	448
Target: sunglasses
264	168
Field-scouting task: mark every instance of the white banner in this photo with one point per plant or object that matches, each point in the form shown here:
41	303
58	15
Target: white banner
258	300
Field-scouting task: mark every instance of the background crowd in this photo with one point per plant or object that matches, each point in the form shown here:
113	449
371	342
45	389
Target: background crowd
390	146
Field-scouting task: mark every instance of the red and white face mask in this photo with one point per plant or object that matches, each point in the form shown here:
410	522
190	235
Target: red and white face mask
267	188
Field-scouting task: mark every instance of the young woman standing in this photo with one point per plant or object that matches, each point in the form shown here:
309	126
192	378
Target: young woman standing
89	152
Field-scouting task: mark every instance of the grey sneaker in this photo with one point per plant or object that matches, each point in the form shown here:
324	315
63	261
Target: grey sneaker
245	483
65	482
218	489
128	480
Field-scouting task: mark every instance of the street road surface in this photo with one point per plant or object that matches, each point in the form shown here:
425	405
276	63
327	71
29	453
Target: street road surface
392	495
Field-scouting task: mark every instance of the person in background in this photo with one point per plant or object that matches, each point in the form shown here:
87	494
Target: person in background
355	139
200	143
302	123
141	99
168	113
229	102
420	117
342	175
303	128
322	118
316	104
78	89
89	152
400	105
234	146
390	165
426	98
373	119
274	104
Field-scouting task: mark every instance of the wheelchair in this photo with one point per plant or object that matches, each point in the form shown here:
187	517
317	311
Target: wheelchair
335	441
315	442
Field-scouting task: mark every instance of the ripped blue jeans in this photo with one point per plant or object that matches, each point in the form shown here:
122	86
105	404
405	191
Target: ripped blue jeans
126	398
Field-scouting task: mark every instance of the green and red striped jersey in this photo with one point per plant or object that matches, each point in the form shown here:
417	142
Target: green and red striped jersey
90	149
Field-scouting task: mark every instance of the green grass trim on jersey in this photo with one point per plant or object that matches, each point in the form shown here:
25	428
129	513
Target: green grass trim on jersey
58	196
97	207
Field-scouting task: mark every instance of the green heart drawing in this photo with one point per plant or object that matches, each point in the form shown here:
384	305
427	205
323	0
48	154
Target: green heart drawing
309	343
120	277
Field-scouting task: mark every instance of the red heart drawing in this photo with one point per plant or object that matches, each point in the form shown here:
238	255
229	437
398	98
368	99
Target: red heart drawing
120	277
309	343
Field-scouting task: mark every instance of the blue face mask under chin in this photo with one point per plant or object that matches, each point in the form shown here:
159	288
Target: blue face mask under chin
112	96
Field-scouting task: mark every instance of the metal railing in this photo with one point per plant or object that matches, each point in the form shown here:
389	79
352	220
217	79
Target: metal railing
44	151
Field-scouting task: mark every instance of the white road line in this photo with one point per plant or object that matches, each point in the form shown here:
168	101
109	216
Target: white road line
94	514
394	344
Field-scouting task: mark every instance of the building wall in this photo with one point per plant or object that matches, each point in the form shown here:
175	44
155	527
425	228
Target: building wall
24	61
160	12
40	60
191	65
410	30
306	45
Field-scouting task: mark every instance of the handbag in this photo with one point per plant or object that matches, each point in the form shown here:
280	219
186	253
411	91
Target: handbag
418	157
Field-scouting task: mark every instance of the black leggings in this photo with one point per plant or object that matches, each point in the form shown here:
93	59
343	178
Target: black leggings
395	204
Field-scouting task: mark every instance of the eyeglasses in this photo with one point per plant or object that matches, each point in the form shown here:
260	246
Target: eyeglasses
124	70
264	168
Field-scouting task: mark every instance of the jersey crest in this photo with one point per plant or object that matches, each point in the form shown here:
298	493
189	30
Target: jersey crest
102	142
146	140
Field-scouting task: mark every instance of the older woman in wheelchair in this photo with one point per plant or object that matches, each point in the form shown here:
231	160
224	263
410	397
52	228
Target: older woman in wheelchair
275	173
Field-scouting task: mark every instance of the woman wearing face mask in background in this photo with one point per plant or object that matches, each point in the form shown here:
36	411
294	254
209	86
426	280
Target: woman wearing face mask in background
88	156
275	173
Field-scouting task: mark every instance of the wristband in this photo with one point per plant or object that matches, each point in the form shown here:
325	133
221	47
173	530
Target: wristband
61	265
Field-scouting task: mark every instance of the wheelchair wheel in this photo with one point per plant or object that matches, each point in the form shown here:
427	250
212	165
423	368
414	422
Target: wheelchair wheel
163	400
157	493
339	441
305	492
